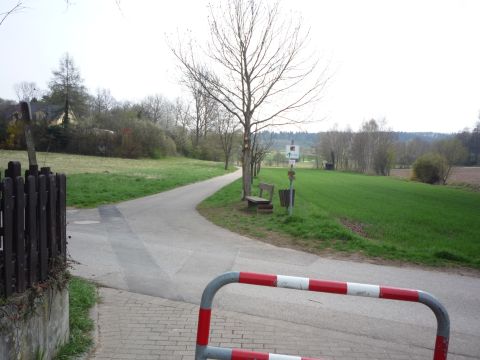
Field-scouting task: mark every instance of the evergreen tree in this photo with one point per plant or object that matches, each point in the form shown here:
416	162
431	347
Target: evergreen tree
66	88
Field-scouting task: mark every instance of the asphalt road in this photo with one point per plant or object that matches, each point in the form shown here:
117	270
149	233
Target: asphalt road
159	245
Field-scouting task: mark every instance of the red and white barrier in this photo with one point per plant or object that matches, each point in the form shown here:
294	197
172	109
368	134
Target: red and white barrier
244	355
203	351
336	287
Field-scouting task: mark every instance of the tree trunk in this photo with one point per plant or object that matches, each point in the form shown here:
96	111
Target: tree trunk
246	162
226	162
197	131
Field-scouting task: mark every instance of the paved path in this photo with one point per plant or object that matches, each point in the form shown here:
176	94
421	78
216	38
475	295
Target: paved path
160	246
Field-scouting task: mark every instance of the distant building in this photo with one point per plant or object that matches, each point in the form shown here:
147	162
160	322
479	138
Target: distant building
48	114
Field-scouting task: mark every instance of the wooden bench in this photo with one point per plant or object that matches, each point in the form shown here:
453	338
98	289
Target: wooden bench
259	200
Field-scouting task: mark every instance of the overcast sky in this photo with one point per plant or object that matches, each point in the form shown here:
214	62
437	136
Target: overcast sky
415	63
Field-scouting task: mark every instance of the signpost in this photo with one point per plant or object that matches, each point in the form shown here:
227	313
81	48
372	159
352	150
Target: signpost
293	154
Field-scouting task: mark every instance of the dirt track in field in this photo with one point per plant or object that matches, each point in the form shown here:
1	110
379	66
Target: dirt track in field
467	175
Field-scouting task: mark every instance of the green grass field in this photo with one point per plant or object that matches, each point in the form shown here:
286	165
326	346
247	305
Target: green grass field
93	181
376	216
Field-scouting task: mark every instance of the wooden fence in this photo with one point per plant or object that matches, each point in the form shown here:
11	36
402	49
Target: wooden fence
32	227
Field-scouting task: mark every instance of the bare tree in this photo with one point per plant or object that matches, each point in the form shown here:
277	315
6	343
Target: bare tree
261	145
103	101
26	91
408	152
454	153
159	110
182	114
205	109
369	150
180	131
226	128
260	70
334	146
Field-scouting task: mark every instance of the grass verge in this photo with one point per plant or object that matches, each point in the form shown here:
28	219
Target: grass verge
83	295
94	181
378	217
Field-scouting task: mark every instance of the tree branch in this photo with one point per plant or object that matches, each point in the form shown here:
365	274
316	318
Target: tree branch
18	7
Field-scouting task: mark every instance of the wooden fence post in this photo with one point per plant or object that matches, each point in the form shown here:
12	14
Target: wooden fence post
7	221
42	227
32	170
31	230
14	169
19	234
61	215
51	218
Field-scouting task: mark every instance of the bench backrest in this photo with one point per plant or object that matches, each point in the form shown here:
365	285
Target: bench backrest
268	188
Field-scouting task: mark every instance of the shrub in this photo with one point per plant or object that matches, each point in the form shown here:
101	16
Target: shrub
430	168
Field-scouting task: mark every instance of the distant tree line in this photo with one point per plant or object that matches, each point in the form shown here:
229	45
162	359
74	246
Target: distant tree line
67	118
370	150
375	149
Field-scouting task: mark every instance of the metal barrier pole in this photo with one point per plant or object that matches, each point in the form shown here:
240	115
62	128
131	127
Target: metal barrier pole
203	351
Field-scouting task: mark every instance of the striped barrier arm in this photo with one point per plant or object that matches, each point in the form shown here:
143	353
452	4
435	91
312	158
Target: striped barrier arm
203	351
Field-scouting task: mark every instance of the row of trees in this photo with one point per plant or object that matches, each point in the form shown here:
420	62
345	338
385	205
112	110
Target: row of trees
370	150
98	124
471	141
375	149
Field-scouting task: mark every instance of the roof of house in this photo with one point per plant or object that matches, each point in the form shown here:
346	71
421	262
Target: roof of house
40	111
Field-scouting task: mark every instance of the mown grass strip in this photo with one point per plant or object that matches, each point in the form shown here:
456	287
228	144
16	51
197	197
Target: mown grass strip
372	215
94	181
83	295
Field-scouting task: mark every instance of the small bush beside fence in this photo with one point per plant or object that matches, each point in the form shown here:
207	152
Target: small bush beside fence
32	228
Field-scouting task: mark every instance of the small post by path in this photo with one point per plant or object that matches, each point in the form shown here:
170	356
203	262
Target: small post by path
27	118
293	153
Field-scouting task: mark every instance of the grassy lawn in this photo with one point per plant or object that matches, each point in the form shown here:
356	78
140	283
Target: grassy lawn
94	181
372	215
83	295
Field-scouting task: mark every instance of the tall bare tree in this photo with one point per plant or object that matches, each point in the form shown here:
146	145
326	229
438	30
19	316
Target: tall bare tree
454	153
226	129
257	68
334	146
205	107
102	102
181	127
372	149
261	145
26	91
158	109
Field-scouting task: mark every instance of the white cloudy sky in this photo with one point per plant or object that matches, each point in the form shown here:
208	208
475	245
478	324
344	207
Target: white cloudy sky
414	62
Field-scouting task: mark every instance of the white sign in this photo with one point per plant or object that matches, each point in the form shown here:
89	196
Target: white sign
293	152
